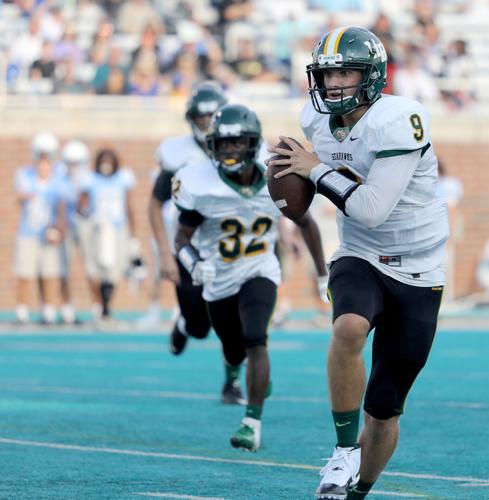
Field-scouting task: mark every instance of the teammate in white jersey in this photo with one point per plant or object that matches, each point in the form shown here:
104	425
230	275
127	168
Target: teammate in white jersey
388	271
227	199
172	155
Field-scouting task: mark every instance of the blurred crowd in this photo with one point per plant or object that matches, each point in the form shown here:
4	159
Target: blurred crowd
165	47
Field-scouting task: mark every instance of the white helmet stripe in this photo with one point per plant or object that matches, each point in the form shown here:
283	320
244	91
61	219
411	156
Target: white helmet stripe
333	40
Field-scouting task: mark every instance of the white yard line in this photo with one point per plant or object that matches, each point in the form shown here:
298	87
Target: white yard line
116	451
177	495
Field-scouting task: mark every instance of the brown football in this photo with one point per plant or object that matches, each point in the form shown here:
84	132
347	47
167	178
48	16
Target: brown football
292	194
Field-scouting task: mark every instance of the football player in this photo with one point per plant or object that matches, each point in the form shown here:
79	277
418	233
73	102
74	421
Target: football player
226	200
75	157
41	227
373	158
106	201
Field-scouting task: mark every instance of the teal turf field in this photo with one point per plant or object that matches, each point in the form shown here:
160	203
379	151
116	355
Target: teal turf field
89	415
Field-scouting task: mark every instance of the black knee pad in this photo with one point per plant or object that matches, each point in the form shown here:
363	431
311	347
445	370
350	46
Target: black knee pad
384	402
259	338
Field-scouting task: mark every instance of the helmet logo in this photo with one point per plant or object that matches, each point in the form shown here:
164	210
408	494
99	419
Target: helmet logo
377	49
207	107
331	60
230	129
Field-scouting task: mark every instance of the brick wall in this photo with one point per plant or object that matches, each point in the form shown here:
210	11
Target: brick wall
463	157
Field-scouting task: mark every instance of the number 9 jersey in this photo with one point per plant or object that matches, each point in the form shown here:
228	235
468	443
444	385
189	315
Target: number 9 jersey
239	228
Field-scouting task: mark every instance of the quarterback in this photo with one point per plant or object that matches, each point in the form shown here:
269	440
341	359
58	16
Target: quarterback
227	199
374	160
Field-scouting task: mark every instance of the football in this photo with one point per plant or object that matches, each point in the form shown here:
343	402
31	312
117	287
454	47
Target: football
292	194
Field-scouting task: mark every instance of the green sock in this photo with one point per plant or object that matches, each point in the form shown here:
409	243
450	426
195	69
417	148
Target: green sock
346	425
254	411
359	491
232	372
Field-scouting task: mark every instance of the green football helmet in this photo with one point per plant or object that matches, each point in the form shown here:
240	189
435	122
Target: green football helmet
204	101
235	138
353	48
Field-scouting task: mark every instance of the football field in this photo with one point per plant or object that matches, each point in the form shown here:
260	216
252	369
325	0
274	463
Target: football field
90	415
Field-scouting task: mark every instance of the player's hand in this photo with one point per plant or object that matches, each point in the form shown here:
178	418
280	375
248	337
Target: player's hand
169	269
300	160
53	235
204	271
322	283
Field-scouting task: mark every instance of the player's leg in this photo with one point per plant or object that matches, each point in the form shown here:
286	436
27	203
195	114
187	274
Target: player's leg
26	258
257	299
193	319
224	316
357	301
67	311
402	343
49	280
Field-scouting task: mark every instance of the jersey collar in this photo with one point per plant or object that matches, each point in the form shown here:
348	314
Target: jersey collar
245	191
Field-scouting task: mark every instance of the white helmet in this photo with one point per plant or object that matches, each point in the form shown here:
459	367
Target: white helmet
44	143
75	153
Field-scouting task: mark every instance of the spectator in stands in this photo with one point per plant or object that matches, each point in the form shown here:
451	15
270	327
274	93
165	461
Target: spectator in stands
458	70
412	80
25	50
116	83
106	201
52	24
67	48
102	43
106	69
41	228
228	12
45	64
383	29
249	64
135	15
144	77
68	82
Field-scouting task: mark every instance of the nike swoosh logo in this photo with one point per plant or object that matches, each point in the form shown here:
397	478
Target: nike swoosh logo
342	425
354	138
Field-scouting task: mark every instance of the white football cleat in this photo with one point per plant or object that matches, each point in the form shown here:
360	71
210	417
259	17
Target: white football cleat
340	474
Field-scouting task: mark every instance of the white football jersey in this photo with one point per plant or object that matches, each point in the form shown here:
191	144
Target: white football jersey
239	230
411	241
173	154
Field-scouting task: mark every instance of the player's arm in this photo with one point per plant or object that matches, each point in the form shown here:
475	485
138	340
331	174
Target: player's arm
200	270
188	222
372	202
312	238
168	265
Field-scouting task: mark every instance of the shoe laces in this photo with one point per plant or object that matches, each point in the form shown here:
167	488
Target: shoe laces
338	463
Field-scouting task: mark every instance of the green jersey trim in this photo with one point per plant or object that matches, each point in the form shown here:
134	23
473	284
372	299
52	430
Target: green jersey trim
400	152
183	209
245	191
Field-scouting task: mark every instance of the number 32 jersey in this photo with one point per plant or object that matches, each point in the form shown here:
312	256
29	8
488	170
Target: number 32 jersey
239	230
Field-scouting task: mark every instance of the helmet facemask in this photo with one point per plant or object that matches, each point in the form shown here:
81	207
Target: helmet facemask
233	153
345	104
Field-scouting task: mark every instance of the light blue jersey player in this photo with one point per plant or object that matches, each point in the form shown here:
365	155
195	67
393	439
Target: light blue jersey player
38	256
105	200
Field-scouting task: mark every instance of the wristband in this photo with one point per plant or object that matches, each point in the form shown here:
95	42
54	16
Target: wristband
336	187
188	257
